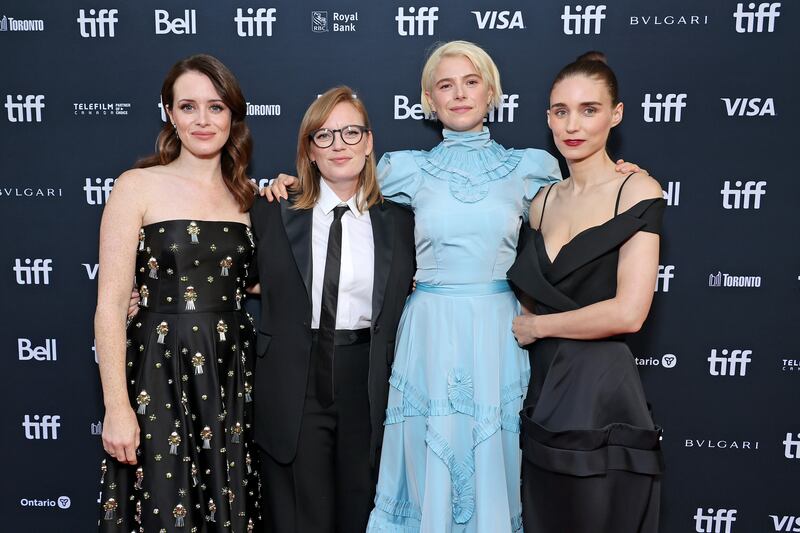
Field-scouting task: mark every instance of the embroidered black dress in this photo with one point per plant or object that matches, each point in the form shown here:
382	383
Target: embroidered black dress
188	366
591	454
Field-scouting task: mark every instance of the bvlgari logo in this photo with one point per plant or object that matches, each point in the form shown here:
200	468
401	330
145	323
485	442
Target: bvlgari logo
721	444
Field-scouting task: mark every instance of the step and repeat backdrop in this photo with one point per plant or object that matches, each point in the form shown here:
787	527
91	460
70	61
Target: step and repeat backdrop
710	110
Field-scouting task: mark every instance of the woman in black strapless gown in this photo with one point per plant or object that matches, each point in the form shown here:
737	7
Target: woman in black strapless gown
177	381
592	459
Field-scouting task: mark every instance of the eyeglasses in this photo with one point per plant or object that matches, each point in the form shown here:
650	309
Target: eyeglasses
351	135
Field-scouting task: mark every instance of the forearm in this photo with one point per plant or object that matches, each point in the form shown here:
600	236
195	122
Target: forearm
596	321
109	326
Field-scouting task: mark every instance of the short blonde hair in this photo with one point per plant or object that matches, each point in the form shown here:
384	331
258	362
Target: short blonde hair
482	62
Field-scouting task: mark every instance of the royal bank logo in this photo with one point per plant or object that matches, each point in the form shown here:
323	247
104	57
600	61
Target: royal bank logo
714	521
749	107
729	362
96	428
583	20
98	189
672	194
31	192
27	351
668	20
785	522
791	446
263	110
499	20
756	19
12	24
62	502
256	23
97	22
722	279
319	21
41	427
24	108
663	107
418	21
743	194
665	274
186	25
33	271
668	360
116	109
505	112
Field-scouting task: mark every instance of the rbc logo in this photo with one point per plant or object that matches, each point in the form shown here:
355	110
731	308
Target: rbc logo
742	193
101	25
727	364
44	429
257	24
663	111
36	274
499	20
720	521
421	23
29	110
97	194
581	21
665	273
753	21
38	353
791	446
180	26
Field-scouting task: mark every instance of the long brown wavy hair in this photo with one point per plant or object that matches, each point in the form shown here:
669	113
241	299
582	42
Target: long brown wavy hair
307	190
239	146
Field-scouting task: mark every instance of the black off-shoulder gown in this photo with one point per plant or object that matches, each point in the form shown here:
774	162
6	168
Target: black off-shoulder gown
591	454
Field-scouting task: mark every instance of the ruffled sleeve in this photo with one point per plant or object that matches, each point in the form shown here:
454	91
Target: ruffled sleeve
538	169
399	176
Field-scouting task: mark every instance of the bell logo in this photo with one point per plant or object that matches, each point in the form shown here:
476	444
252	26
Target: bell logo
180	26
27	351
581	22
256	23
27	110
720	521
97	193
44	429
727	363
673	193
667	111
753	20
421	23
738	196
499	20
665	273
101	25
749	107
791	446
37	273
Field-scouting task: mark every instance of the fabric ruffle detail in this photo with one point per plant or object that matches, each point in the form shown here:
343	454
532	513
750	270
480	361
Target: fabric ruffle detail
462	489
469	171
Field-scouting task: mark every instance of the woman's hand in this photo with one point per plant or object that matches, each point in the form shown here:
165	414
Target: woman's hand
133	305
121	434
279	188
623	167
524	328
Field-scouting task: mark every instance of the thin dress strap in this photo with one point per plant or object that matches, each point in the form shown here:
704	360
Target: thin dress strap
619	193
544	203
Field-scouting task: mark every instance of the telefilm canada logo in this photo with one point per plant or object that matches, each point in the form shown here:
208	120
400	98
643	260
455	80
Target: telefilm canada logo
723	279
790	365
335	22
116	109
11	24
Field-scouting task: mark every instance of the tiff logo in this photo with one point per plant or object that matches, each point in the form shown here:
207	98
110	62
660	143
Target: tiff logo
420	24
504	111
38	274
29	110
673	193
742	193
45	429
258	22
27	351
101	25
180	26
97	194
665	273
720	521
753	21
791	445
667	111
582	20
728	362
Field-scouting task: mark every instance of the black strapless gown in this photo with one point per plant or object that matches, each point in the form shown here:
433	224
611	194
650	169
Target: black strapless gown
591	453
189	369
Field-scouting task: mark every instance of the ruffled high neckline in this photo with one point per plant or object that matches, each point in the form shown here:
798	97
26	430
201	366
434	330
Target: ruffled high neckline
466	140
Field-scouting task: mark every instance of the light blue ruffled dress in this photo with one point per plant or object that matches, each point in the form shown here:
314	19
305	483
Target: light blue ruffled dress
451	456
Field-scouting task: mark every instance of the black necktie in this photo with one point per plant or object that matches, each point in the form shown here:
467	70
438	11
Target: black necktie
327	315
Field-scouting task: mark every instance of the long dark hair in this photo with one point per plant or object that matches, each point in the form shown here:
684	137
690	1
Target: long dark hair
239	146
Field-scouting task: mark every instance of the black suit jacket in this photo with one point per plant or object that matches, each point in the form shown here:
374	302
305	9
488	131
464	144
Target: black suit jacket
283	237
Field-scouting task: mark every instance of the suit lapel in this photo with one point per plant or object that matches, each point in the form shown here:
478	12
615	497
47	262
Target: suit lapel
298	224
383	237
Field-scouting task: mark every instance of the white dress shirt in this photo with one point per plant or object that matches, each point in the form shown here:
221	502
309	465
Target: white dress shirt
354	306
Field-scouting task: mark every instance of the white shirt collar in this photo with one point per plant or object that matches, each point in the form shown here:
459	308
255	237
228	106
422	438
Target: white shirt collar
328	200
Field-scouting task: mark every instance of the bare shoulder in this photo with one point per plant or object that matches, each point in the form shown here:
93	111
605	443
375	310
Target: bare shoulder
639	187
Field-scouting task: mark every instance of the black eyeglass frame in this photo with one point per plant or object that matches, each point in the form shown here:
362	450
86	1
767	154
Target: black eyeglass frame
362	129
